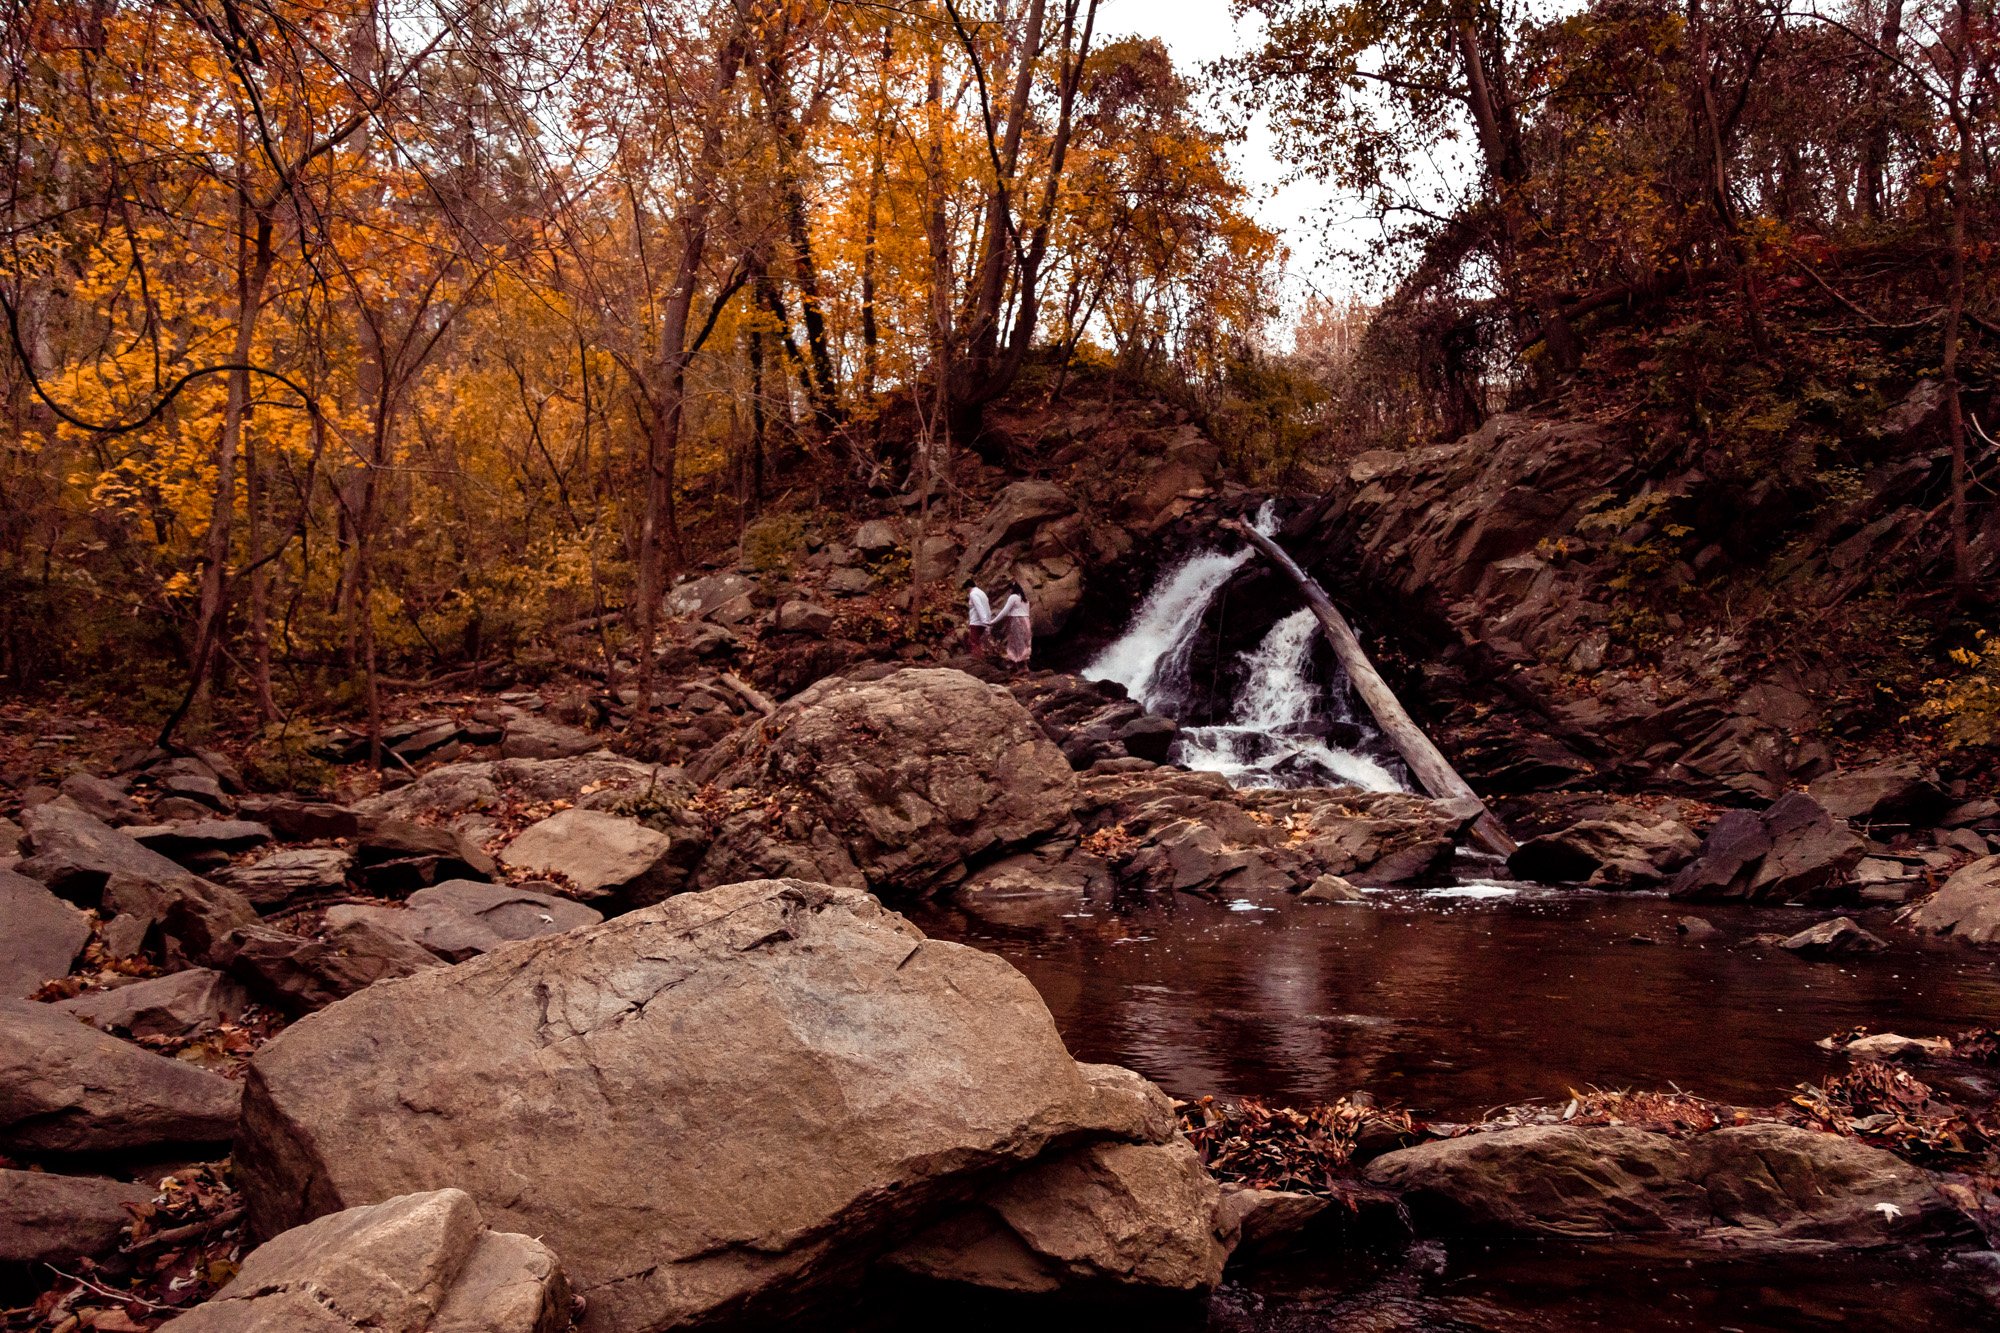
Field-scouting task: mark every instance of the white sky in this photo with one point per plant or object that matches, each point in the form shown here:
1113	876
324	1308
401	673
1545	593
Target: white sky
1305	214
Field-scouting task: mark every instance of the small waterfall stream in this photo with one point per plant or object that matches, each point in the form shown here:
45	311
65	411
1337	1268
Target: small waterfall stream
1276	735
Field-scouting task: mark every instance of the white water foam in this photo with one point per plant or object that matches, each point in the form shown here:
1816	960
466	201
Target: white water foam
1151	658
1274	736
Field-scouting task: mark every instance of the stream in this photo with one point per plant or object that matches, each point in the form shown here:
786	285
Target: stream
1455	1000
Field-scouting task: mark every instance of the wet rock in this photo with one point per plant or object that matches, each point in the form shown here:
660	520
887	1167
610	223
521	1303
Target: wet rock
463	918
1831	939
282	877
1695	930
180	1004
1331	889
1149	737
109	801
1968	906
1903	792
1793	851
601	855
1890	1046
67	1088
51	1219
1039	886
1634	850
1266	1222
300	975
1762	1187
804	1076
1196	833
909	775
416	1263
301	821
40	935
1107	1216
798	617
74	852
538	738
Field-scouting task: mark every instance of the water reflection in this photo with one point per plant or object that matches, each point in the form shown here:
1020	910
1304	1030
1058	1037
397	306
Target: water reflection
1454	1002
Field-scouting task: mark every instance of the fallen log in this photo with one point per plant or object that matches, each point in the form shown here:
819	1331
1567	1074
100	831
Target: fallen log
1427	763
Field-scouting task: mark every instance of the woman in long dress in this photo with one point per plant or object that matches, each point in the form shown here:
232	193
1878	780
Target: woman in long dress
1014	628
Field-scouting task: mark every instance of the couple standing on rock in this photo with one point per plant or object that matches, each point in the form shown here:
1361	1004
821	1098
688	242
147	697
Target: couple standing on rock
1008	629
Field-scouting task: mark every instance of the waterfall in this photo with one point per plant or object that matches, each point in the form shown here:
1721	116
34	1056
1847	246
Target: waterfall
1276	733
1151	658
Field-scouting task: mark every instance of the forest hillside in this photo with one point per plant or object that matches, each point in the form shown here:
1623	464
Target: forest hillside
776	663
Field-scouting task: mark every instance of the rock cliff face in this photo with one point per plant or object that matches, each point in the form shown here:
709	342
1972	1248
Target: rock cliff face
1535	567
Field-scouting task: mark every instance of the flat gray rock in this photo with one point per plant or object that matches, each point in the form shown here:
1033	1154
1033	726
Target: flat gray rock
463	918
1967	907
597	852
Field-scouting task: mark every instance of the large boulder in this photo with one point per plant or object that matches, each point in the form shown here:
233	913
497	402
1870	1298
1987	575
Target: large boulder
600	854
723	598
1632	850
51	1219
68	1088
711	1108
905	776
180	1004
1968	906
418	1263
1795	851
40	935
462	919
1754	1187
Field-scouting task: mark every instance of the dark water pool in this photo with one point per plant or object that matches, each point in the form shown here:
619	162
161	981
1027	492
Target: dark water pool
1458	1001
1452	1004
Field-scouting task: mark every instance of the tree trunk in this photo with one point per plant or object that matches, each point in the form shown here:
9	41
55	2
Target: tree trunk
1954	319
667	390
1875	154
1427	763
254	257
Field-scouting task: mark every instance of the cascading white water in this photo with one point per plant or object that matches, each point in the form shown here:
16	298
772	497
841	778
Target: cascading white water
1275	734
1151	659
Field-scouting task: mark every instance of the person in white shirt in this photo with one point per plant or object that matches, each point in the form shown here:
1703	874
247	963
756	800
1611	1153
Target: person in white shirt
1014	628
978	618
